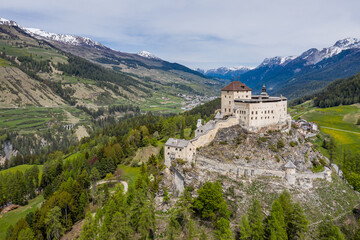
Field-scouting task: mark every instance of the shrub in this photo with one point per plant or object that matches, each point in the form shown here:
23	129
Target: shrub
223	143
280	144
293	143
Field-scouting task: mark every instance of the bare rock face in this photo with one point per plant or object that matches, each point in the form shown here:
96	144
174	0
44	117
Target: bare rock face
271	149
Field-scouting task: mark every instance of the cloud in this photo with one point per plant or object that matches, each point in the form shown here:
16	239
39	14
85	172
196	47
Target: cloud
197	33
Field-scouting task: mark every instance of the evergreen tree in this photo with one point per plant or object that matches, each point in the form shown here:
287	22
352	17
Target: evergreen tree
120	228
244	227
256	221
298	225
54	228
223	230
276	227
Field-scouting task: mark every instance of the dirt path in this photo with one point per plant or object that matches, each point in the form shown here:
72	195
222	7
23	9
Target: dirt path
340	130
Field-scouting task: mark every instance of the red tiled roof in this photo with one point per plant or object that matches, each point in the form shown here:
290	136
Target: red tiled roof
236	86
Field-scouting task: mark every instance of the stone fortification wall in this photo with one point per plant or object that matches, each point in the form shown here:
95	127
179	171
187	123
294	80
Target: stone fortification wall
207	137
234	171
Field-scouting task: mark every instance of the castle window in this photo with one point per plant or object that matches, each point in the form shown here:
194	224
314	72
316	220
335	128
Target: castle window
224	109
168	147
190	149
256	118
229	102
180	149
256	112
252	112
168	153
237	91
225	96
251	118
246	95
261	117
272	111
176	149
227	91
273	117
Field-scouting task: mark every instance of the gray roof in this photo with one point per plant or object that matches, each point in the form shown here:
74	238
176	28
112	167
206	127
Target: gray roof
218	115
208	126
289	164
180	143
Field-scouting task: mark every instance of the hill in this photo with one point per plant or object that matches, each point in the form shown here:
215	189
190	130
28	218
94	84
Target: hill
339	92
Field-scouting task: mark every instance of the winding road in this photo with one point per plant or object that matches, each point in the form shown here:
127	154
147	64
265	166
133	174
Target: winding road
125	184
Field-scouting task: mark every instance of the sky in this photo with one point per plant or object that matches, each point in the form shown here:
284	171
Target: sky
196	33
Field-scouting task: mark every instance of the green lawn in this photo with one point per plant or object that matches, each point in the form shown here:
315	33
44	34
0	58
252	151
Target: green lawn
22	168
341	117
130	174
12	217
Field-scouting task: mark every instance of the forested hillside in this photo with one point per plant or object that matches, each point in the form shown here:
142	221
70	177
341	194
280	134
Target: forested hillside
340	92
69	184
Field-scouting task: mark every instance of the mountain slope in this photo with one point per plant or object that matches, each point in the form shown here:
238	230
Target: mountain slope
309	72
143	65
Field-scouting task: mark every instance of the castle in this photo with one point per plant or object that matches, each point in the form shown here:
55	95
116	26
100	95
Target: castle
238	107
254	113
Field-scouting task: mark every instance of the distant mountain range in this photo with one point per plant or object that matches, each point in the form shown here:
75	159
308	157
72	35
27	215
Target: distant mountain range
296	76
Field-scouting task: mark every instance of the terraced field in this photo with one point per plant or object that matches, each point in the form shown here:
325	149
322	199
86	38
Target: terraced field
31	119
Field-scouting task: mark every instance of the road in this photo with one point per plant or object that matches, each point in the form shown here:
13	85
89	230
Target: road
125	184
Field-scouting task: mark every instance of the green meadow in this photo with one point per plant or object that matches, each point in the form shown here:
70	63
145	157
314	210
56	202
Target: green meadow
12	217
339	122
22	168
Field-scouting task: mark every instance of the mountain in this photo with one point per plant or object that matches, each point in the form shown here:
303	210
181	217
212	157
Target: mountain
141	79
149	55
305	74
63	38
224	72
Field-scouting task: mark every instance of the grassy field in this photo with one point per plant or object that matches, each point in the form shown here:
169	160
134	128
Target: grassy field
130	174
339	122
4	63
22	168
12	217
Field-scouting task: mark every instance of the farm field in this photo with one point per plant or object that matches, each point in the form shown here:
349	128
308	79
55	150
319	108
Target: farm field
339	122
31	119
12	217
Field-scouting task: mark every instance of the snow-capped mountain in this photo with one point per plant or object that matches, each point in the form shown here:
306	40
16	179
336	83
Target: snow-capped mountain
149	55
277	61
313	55
225	72
63	38
4	21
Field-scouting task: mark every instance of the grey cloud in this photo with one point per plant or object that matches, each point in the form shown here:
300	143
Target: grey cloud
197	33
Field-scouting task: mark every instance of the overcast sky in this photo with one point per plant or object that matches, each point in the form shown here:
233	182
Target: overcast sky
197	33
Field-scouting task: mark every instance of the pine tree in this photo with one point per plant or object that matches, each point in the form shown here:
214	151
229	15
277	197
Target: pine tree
256	221
54	228
276	227
244	227
298	225
223	230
